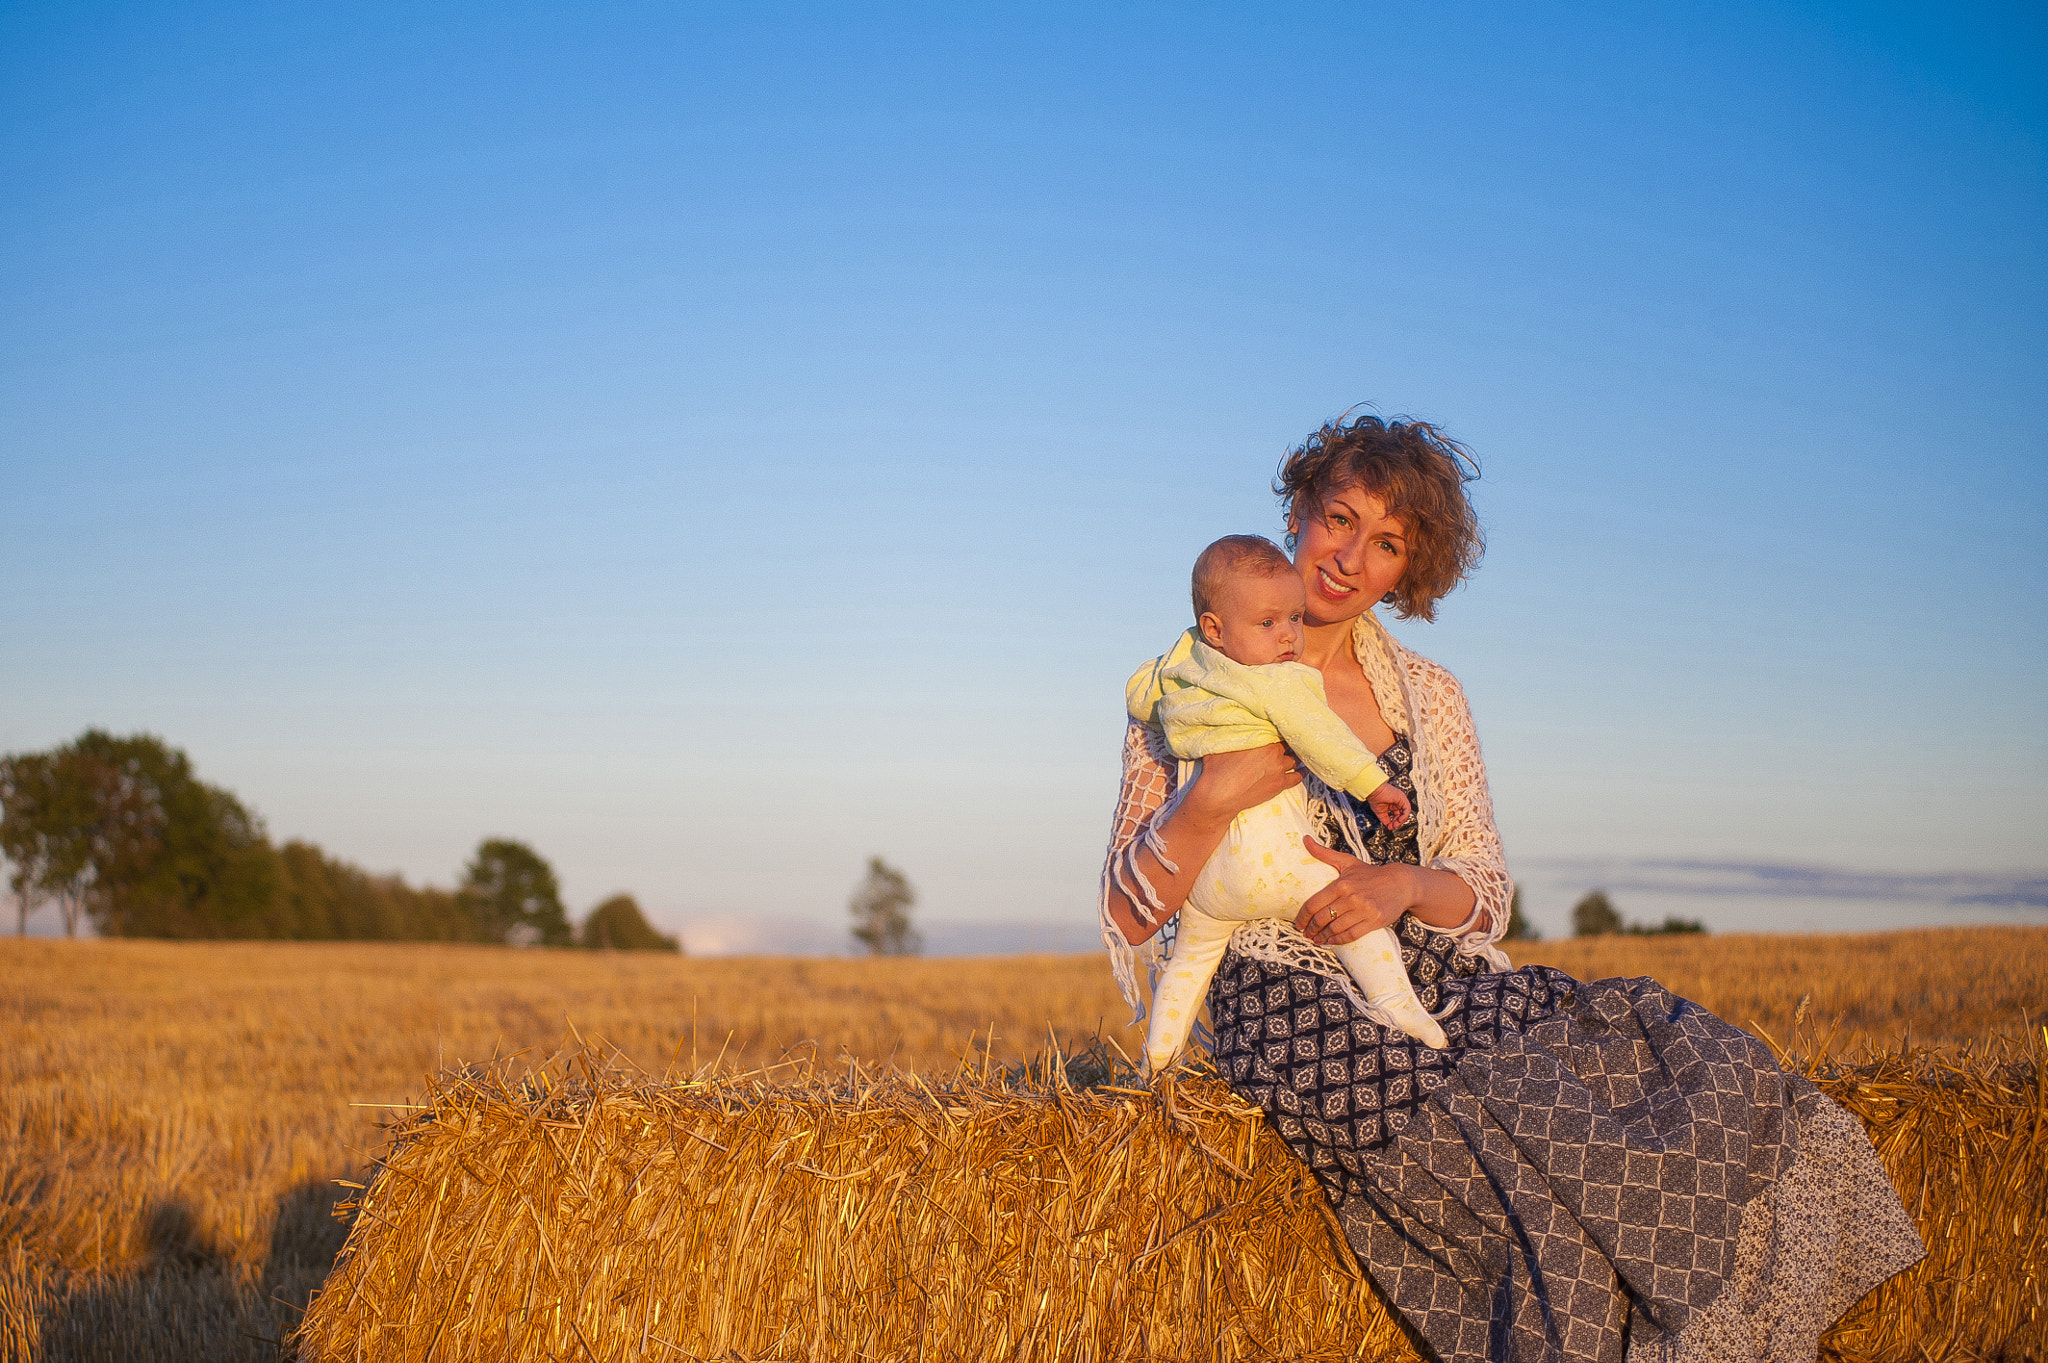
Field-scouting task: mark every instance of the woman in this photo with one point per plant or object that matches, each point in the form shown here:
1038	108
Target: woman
1589	1171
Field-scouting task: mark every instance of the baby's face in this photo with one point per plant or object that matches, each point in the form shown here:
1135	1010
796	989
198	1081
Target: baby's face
1257	619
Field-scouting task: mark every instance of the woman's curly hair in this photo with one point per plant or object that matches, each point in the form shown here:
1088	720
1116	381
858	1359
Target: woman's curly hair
1419	475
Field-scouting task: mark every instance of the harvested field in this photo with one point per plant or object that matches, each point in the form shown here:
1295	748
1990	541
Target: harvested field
1942	988
173	1116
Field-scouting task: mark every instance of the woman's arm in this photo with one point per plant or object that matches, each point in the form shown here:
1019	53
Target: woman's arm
1190	831
1463	885
1364	897
1468	840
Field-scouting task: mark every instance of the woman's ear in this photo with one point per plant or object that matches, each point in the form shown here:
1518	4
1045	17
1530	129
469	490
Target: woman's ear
1212	628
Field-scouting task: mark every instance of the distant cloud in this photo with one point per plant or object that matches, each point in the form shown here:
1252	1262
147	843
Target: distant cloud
2026	889
739	934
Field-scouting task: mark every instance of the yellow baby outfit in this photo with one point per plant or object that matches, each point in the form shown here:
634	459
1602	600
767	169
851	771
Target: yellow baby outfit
1205	703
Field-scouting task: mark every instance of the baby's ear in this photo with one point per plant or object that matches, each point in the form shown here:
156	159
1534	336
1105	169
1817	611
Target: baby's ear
1212	628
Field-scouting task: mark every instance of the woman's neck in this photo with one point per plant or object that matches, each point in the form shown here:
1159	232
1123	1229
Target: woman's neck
1322	645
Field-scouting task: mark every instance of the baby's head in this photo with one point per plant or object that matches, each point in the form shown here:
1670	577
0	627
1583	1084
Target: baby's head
1249	600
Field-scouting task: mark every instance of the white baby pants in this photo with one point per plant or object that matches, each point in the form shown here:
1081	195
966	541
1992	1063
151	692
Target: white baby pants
1261	870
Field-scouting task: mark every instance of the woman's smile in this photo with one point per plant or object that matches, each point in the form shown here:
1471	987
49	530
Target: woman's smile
1330	586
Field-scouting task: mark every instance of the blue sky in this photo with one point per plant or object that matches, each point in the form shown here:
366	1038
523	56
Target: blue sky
719	443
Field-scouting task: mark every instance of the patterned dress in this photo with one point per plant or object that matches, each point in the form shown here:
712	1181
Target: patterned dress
1598	1171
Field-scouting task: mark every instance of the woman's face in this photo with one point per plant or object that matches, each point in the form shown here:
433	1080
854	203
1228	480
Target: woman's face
1350	553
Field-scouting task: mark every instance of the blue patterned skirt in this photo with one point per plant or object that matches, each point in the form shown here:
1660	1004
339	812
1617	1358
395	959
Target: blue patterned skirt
1598	1171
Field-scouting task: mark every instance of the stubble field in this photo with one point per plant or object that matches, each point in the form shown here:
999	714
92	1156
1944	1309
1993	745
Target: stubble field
173	1117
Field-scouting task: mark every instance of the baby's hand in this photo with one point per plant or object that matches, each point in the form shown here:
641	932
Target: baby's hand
1390	804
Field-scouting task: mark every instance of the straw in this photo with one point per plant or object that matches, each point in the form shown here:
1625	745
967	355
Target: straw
591	1212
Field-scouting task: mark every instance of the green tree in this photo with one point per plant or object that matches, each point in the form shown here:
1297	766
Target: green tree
327	899
880	907
120	830
618	925
30	838
197	862
75	825
511	894
1594	916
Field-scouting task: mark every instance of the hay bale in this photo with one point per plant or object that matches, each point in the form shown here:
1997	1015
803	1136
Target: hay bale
1965	1139
589	1213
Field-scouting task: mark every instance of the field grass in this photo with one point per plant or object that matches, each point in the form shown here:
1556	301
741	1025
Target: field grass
172	1116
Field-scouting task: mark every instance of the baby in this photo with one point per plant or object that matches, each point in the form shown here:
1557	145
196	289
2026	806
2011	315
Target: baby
1232	683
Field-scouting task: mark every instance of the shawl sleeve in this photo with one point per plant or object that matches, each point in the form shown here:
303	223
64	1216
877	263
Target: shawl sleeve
1151	778
1466	841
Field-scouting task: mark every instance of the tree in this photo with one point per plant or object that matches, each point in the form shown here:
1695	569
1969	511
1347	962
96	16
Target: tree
512	894
326	899
174	857
618	925
1594	916
880	907
121	830
27	838
1518	925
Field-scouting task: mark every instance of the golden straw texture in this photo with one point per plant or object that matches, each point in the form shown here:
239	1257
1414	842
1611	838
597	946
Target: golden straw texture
588	1212
605	1217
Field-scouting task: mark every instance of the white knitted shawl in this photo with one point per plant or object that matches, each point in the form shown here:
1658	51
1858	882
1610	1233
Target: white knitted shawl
1453	810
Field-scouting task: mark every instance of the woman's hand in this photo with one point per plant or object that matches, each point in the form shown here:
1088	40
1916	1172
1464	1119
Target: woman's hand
1232	782
1361	898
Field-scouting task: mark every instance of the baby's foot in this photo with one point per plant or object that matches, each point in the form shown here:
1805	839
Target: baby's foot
1390	804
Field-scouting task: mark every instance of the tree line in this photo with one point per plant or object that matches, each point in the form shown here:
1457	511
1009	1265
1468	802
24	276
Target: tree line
122	834
1596	916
